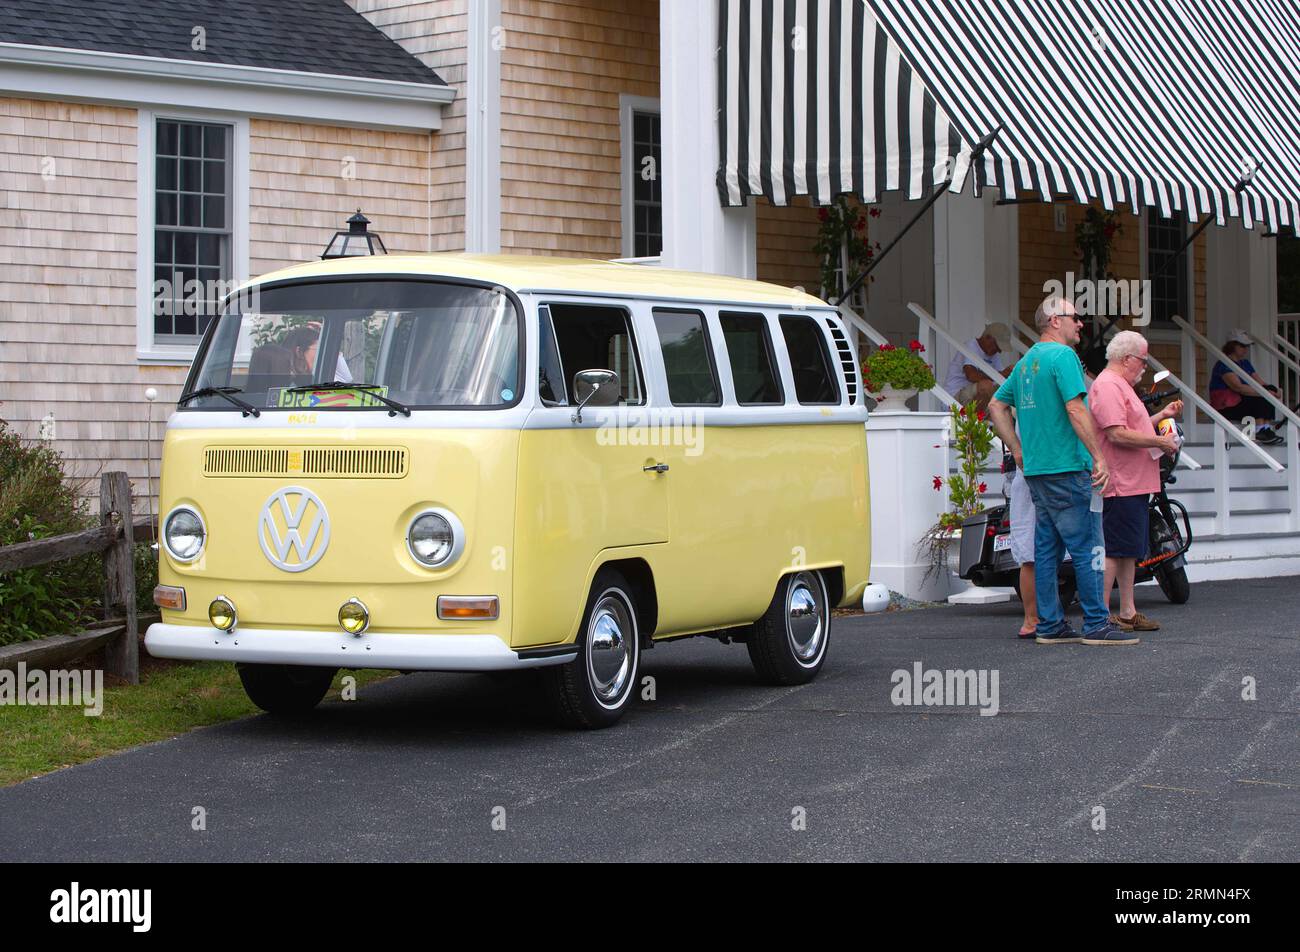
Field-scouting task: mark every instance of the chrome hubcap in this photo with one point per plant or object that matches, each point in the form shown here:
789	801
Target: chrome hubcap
609	651
805	617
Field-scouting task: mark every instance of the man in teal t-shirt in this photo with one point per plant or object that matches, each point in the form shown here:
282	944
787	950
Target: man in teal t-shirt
1058	453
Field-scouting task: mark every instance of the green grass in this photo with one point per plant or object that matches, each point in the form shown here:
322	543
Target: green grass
168	701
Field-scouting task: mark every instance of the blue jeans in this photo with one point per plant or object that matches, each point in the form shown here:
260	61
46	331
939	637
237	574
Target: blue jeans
1065	523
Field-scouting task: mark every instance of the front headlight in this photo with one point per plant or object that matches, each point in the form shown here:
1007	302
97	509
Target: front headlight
184	534
435	538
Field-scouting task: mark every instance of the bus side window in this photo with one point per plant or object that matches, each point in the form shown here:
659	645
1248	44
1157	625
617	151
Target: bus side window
550	371
597	337
753	366
688	357
810	361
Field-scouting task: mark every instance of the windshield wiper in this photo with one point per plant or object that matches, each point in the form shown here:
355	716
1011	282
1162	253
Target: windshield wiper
225	393
394	407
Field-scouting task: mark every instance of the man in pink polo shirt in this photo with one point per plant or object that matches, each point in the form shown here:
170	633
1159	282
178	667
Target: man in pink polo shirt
1127	435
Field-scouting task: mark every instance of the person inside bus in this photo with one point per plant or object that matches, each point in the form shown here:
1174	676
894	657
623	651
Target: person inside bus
1235	398
301	343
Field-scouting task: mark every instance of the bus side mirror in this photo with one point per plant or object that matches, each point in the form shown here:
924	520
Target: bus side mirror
598	388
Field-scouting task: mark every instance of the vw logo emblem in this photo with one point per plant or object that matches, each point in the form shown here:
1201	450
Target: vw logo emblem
294	529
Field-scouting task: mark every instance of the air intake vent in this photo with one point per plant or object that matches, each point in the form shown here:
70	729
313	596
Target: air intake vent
326	462
848	363
245	462
381	463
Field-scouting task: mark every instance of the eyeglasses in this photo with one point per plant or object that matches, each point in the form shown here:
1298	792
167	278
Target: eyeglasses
1073	317
1146	361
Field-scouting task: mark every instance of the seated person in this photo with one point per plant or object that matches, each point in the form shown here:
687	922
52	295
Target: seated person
967	382
1236	399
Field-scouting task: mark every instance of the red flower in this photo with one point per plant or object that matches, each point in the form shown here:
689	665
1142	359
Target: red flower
887	347
984	487
916	347
823	214
874	213
980	416
938	483
961	412
861	224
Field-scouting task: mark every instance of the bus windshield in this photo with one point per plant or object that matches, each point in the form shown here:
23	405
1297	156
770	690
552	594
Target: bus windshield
424	344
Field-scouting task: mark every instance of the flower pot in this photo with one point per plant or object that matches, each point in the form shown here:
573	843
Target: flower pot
888	398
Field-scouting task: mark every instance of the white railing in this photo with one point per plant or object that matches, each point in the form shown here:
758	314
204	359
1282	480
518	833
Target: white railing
1283	411
856	321
1287	338
1222	485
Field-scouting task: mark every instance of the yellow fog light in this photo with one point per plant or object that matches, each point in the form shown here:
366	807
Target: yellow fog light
354	617
222	613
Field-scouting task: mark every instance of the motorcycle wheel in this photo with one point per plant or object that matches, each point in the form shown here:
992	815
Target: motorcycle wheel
1173	582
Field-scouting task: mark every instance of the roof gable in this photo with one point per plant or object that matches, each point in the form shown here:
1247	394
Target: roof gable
314	36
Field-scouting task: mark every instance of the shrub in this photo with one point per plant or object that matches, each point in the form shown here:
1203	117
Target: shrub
146	578
37	500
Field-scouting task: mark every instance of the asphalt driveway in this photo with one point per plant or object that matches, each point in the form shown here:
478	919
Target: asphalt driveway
431	766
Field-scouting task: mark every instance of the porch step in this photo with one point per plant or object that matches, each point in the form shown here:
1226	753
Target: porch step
1243	555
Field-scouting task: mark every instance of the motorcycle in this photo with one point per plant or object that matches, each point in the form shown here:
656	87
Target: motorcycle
986	536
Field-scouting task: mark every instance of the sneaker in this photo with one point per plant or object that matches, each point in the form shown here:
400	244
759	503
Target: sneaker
1266	437
1109	635
1139	622
1066	636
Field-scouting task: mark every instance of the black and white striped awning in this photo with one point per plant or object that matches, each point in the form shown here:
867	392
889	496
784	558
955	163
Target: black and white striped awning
1151	102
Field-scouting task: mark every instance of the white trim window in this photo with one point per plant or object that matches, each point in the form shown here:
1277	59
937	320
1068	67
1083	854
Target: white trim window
192	219
641	154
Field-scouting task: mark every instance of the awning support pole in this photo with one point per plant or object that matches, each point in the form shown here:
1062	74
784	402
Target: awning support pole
980	148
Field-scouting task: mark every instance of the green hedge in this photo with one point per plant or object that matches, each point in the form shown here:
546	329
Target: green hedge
37	500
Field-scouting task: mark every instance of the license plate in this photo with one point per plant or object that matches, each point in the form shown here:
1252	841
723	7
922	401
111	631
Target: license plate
1002	542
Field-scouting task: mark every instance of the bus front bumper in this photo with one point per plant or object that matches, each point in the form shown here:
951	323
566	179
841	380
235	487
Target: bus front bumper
404	652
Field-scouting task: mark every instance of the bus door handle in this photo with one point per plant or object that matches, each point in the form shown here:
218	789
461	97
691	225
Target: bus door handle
656	468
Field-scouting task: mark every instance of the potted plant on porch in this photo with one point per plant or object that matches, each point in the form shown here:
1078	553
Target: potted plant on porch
893	376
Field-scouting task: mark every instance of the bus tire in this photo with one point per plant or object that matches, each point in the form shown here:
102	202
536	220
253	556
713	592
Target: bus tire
788	644
594	689
285	688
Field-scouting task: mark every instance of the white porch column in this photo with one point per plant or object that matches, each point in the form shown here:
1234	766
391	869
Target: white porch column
1241	287
483	129
699	233
976	266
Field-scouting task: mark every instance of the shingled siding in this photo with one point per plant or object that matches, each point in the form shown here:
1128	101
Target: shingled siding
435	32
1047	254
67	285
305	180
563	68
786	236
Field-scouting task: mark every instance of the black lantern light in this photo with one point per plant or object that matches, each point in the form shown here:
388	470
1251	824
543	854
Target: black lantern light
354	242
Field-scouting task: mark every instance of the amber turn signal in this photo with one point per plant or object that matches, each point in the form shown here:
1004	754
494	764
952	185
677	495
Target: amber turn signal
452	607
170	597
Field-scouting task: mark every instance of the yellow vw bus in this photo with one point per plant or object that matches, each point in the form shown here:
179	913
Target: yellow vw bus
485	463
